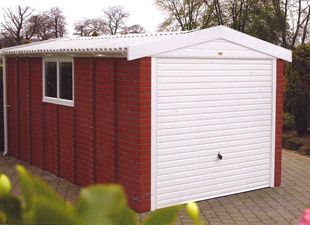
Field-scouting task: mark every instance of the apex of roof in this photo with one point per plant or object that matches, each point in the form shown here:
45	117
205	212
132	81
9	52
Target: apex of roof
142	45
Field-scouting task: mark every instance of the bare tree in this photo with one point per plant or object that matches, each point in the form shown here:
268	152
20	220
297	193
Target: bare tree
15	25
184	15
215	6
134	29
306	28
90	27
115	18
300	10
57	22
293	17
43	27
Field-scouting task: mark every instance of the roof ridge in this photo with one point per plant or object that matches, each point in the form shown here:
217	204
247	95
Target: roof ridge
123	36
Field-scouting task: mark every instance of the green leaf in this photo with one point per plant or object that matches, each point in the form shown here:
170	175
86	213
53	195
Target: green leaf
127	217
104	205
10	209
26	185
53	212
165	216
31	186
5	184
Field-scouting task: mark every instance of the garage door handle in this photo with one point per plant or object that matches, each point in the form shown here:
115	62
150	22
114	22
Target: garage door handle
219	155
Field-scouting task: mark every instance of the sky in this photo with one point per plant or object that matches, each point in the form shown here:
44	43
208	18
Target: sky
143	12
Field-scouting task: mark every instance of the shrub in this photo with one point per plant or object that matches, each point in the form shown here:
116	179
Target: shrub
296	99
292	143
288	121
96	205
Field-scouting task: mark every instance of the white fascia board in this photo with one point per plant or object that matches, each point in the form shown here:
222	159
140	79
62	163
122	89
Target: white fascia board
256	44
155	47
151	48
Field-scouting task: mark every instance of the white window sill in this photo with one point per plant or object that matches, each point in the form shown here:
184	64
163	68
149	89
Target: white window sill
58	101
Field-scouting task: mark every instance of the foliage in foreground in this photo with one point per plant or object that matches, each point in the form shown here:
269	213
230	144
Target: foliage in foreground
96	205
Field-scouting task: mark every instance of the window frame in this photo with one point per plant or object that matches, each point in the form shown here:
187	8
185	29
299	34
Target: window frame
57	100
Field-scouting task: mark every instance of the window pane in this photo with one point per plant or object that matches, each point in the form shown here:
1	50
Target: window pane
65	78
51	79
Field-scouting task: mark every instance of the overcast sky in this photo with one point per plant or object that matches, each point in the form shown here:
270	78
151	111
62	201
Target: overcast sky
142	12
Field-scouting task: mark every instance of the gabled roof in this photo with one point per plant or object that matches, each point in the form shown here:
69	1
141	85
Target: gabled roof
139	50
87	45
136	46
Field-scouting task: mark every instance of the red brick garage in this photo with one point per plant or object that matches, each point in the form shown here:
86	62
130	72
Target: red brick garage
106	130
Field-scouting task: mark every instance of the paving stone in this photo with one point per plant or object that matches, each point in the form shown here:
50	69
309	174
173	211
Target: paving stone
271	206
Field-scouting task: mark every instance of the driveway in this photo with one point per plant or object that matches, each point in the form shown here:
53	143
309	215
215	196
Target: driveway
280	205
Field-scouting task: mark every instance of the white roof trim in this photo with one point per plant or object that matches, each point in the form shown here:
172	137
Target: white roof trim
143	45
154	47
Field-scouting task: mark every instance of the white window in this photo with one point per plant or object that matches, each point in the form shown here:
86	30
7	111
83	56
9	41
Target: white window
58	85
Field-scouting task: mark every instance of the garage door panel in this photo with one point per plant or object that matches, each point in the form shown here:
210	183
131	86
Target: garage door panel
217	109
216	145
210	67
212	61
229	158
214	74
208	162
166	122
164	157
209	85
214	127
203	108
207	140
216	79
215	192
209	134
191	182
218	185
197	98
168	179
218	91
212	103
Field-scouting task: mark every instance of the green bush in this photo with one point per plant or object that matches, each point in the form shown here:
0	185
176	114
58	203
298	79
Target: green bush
296	99
96	205
288	121
291	143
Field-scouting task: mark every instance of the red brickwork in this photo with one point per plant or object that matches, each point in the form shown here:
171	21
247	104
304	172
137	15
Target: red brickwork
104	138
279	111
84	121
66	143
133	130
105	121
36	112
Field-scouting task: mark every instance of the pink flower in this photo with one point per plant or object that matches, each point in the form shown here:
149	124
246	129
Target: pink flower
305	220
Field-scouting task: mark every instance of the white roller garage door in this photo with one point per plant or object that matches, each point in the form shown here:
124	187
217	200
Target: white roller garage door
203	107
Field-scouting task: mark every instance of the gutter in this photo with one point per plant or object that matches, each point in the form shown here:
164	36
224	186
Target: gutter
5	107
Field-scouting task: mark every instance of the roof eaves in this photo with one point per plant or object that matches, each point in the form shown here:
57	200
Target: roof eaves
64	50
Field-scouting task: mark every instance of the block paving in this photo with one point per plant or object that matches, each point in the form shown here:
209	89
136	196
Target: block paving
271	206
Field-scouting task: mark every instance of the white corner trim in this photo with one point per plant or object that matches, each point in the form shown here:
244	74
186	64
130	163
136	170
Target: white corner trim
5	107
153	133
273	121
154	47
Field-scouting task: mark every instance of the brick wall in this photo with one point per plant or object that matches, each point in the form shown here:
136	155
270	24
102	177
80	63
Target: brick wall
279	110
134	130
104	138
